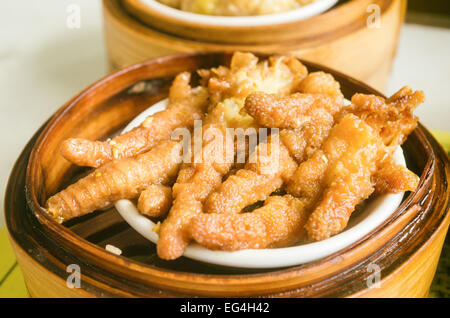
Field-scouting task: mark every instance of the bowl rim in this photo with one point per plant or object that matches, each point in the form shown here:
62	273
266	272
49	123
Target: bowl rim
304	12
170	279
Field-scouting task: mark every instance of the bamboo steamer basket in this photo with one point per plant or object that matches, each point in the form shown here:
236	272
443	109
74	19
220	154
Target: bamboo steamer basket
406	246
339	38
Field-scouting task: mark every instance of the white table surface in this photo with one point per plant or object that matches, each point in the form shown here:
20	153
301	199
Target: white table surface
43	63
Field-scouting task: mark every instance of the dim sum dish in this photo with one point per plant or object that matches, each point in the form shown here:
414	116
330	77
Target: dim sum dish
373	214
266	173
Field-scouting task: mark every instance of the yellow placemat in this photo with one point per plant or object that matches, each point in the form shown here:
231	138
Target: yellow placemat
444	139
13	285
7	256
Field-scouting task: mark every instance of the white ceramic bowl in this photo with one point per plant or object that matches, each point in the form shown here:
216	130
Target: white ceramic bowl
301	13
374	213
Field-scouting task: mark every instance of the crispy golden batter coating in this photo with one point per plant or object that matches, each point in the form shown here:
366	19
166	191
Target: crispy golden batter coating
338	203
302	142
307	181
247	186
393	178
328	158
118	179
310	113
393	118
345	164
317	91
228	88
195	182
279	223
277	75
338	176
321	83
338	179
278	111
185	106
174	233
155	200
268	168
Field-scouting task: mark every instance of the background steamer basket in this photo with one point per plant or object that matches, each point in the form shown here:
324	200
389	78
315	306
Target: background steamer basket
406	247
343	38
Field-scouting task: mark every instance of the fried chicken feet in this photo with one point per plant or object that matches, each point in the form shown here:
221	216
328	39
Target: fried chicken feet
185	106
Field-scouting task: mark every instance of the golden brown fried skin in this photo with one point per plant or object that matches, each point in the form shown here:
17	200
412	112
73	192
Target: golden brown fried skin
302	142
310	113
268	168
118	179
308	180
174	236
277	75
185	106
228	88
337	176
338	203
393	178
341	164
349	158
393	118
316	91
293	111
195	182
279	223
321	83
155	200
247	187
